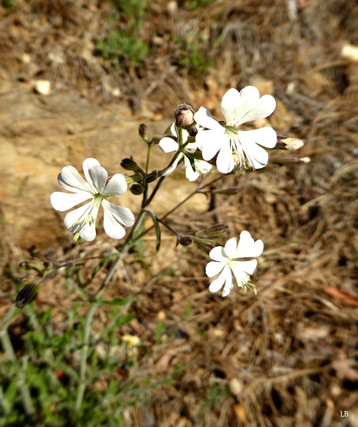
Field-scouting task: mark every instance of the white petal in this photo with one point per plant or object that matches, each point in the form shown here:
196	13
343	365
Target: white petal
88	231
230	248
116	185
87	165
202	166
218	283
64	201
213	268
247	247
218	254
225	160
112	228
244	266
120	213
204	118
190	174
235	105
97	178
265	106
74	221
71	180
228	281
266	137
210	142
168	144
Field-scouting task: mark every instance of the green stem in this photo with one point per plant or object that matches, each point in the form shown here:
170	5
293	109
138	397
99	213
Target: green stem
168	227
160	181
84	355
148	158
124	249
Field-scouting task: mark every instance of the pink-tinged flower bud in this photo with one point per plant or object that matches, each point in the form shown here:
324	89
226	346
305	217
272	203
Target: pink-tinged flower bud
184	115
287	143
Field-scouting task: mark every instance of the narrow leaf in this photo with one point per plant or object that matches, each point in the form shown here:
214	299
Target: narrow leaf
156	226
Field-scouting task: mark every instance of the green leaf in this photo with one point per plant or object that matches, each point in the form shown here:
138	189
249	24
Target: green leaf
156	226
117	301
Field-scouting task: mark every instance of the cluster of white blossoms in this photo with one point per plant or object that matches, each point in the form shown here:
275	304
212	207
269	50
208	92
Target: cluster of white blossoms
168	144
232	148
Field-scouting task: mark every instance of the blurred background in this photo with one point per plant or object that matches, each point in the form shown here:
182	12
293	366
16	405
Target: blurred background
76	79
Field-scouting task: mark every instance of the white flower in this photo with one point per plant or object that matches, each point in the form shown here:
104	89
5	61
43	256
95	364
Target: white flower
168	145
235	147
225	262
82	221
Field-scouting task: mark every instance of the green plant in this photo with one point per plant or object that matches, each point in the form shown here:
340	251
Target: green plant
60	377
125	43
193	60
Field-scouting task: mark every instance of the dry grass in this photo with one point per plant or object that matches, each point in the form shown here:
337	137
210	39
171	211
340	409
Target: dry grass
281	358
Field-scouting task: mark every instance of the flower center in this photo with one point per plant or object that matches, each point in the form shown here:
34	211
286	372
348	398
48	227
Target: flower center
231	131
97	199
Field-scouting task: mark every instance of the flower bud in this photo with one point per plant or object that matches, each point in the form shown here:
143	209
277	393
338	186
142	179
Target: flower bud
214	231
136	189
184	239
143	132
205	244
184	115
287	143
130	165
26	295
193	131
290	160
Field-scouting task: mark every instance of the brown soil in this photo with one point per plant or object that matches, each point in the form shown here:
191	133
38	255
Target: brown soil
287	356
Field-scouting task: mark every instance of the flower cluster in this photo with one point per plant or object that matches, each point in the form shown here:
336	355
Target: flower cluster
232	146
198	142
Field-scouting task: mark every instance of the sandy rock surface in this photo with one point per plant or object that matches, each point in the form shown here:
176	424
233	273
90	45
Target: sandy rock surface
41	134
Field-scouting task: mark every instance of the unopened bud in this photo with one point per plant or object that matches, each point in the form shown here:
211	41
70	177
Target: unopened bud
205	244
290	160
184	115
214	231
143	131
136	189
130	165
184	239
26	295
286	143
